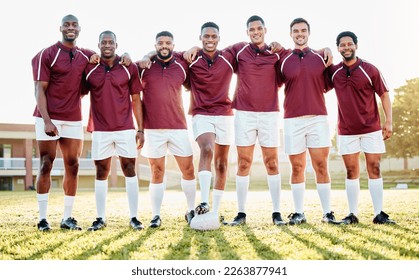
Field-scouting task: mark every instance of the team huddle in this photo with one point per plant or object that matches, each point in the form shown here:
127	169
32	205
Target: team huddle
138	106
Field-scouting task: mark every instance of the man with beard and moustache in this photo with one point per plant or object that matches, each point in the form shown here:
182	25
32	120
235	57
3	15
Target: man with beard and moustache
305	119
165	127
356	82
114	96
57	72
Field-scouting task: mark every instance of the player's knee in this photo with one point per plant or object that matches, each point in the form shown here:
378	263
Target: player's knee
46	165
271	165
207	150
221	166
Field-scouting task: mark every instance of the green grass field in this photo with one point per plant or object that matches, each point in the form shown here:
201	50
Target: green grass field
259	239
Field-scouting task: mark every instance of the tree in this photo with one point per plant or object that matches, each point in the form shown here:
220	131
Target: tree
405	139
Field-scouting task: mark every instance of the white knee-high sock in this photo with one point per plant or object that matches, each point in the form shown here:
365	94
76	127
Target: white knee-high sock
156	195
324	194
376	191
189	189
68	206
205	177
298	196
242	188
274	184
217	195
42	204
352	187
131	186
101	191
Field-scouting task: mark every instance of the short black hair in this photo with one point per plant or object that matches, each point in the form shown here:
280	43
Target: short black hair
210	24
69	17
299	20
164	33
346	34
255	18
107	32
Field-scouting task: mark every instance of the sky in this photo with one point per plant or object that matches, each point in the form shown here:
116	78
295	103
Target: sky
386	30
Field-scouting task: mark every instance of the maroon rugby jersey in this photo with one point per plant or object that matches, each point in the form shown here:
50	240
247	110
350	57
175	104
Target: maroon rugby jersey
110	95
210	83
303	73
162	94
62	67
257	86
355	88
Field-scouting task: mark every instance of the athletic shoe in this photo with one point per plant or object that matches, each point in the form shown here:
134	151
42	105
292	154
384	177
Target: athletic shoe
297	218
70	223
348	220
155	222
240	219
189	216
98	224
202	208
136	224
382	218
329	218
277	219
43	225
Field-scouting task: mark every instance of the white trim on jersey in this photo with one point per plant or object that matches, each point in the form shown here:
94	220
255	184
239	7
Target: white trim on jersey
142	74
91	71
198	58
39	65
283	62
337	70
56	57
181	67
83	54
228	63
366	75
242	49
128	73
321	58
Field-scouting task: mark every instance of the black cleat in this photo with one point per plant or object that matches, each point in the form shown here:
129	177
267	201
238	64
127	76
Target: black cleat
189	216
155	222
348	220
202	208
277	219
297	218
43	225
240	219
70	223
96	225
329	218
382	218
136	224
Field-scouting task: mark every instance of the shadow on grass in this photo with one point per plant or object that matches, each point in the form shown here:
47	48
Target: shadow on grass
182	250
264	251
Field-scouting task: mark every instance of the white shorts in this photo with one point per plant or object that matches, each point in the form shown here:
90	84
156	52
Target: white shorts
249	126
108	143
66	129
159	142
306	132
221	126
370	143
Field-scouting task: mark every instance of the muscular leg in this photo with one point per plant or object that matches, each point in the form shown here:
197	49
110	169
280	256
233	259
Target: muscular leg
221	168
352	185
319	159
188	182
103	168
157	187
270	159
131	184
375	182
206	144
47	152
298	165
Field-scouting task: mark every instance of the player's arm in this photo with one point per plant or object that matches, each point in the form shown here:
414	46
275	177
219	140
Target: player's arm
388	124
145	62
327	56
41	102
137	108
125	59
190	54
